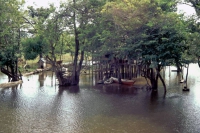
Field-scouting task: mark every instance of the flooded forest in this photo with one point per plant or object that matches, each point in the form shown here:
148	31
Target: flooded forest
96	66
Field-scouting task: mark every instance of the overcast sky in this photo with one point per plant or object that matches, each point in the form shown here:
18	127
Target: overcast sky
181	8
40	3
188	10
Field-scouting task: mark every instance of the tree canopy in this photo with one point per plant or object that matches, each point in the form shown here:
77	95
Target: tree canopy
10	34
150	31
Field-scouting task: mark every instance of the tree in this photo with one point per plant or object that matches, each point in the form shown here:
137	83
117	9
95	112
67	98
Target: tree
78	14
32	47
163	43
194	27
48	25
151	31
10	34
71	18
65	45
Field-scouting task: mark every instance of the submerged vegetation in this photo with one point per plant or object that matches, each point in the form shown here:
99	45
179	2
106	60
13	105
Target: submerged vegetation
147	31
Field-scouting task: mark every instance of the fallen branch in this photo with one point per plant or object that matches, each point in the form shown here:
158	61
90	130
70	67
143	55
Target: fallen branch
10	84
36	71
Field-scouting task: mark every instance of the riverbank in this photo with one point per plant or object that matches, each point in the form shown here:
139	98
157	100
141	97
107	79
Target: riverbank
11	84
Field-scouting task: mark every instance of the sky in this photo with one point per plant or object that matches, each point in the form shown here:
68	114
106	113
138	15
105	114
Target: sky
188	10
38	3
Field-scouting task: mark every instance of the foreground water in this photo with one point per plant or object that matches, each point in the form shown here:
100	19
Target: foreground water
40	106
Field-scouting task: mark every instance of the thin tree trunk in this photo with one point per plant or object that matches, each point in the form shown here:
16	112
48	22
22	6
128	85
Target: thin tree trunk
81	62
154	80
61	50
75	78
119	74
163	82
186	77
178	65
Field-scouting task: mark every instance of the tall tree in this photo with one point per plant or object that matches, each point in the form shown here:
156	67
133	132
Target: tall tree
150	30
195	30
78	14
10	25
48	26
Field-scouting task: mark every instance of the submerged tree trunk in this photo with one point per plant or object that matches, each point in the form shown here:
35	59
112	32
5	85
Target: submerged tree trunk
153	74
77	63
76	67
154	80
163	82
119	74
186	77
12	73
75	78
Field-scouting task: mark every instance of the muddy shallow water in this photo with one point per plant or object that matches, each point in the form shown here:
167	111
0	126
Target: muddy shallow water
40	106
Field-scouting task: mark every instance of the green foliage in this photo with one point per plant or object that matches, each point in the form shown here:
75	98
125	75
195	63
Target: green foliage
10	35
158	35
10	21
32	47
147	29
7	57
168	5
48	27
65	44
193	51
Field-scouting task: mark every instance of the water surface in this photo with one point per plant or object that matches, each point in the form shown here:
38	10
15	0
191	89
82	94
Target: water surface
40	106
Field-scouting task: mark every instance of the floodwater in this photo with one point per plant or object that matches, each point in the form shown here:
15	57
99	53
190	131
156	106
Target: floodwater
40	106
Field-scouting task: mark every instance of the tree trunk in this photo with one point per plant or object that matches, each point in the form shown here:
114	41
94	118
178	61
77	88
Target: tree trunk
163	82
154	79
178	65
11	74
186	77
75	76
53	57
14	78
119	74
80	63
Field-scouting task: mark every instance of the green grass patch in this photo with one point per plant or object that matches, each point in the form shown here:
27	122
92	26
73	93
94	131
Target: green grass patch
33	64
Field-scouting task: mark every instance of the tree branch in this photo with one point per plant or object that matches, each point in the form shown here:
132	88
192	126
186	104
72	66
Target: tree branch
29	22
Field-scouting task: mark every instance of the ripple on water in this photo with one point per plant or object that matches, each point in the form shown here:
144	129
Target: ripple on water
40	107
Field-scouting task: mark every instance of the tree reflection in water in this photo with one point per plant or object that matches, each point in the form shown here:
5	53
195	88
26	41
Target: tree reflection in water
70	89
119	89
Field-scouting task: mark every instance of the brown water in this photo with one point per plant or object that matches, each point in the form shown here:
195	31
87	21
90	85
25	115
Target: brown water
40	106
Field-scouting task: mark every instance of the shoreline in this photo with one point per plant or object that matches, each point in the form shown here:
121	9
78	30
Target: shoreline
11	84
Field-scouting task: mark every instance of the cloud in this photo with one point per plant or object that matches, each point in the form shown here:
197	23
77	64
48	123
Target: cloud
186	9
